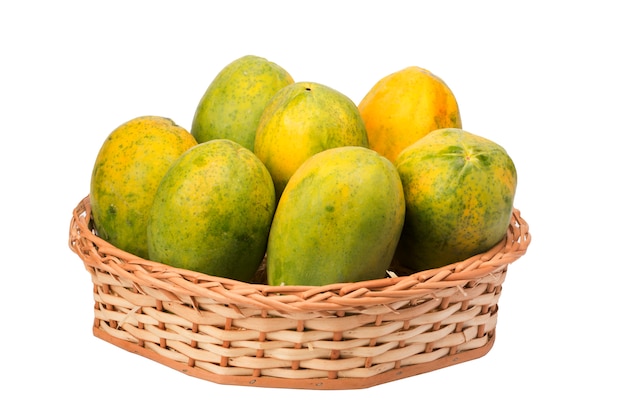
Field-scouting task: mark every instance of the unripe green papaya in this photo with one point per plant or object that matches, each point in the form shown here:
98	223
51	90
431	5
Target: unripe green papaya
338	220
212	212
232	104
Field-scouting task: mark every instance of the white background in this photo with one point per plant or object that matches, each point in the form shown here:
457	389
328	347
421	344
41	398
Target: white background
544	79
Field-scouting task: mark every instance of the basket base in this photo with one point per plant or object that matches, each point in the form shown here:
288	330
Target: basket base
312	383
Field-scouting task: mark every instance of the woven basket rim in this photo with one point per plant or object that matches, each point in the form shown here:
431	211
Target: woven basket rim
98	254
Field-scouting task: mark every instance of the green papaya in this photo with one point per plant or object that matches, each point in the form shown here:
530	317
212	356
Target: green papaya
232	104
212	212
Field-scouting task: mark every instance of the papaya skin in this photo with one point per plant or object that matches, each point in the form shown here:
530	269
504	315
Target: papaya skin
301	120
459	190
126	174
232	105
212	212
404	106
338	220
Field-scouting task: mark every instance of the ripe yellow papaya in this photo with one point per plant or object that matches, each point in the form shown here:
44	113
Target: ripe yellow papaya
459	190
338	220
126	174
404	106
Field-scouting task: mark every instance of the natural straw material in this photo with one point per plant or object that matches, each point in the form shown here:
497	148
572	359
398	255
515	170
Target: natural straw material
341	336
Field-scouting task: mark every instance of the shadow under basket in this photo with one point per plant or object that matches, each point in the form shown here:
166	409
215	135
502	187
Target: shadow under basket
342	336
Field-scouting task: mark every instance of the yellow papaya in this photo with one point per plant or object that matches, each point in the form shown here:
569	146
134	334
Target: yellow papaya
404	106
126	174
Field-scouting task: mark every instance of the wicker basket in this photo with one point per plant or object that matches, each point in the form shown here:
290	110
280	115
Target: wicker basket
342	336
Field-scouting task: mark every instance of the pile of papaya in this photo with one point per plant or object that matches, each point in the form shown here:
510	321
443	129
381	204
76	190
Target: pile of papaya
296	176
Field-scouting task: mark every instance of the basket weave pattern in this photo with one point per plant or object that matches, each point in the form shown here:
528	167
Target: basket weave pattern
341	336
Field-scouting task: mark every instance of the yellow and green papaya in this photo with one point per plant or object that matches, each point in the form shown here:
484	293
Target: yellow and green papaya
126	175
301	120
338	220
459	190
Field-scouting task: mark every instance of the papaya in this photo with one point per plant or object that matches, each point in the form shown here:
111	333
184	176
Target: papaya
125	176
212	211
338	220
404	106
232	104
302	119
459	190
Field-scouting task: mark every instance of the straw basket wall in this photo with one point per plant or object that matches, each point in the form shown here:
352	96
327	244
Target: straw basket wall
342	336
